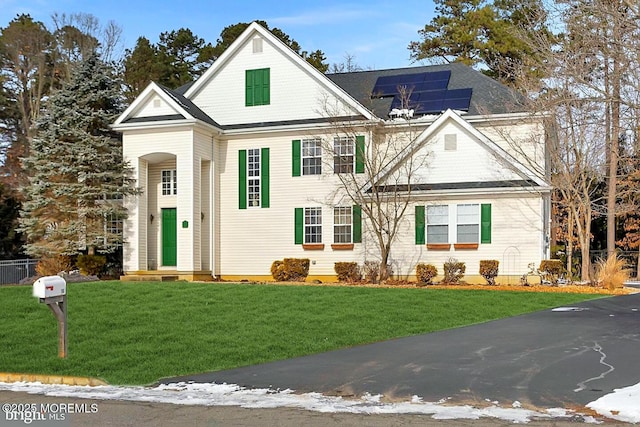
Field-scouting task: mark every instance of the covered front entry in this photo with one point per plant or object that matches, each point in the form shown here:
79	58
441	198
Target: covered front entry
169	237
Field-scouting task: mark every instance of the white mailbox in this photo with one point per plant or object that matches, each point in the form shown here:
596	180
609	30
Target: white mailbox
49	286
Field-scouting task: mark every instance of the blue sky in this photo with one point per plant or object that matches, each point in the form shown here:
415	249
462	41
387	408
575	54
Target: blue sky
375	32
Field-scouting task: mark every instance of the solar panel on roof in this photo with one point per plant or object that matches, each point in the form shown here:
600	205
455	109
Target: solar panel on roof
458	99
389	85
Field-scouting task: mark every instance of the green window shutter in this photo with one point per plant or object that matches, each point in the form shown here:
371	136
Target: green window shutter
264	177
265	87
357	224
485	223
360	154
249	87
299	223
296	156
420	225
242	179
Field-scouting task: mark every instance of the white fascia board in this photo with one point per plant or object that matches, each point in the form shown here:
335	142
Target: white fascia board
251	30
492	192
165	124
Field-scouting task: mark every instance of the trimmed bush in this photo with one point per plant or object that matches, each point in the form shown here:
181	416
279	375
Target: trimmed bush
277	271
91	265
552	268
290	270
425	273
489	270
50	266
453	271
347	271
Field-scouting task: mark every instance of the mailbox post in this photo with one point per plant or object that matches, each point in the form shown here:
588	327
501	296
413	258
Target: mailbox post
52	290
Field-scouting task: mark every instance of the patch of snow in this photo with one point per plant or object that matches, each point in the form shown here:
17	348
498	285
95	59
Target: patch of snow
233	395
621	405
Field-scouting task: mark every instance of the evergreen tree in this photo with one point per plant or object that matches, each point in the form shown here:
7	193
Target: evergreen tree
74	197
489	34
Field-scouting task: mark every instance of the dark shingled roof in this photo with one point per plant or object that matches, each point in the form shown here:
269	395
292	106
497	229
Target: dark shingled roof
191	108
489	96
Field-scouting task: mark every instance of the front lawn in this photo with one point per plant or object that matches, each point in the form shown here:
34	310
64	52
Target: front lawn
136	333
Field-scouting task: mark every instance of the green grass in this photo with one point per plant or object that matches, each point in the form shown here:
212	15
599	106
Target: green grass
137	333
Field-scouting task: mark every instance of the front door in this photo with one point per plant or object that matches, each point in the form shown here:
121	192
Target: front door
169	237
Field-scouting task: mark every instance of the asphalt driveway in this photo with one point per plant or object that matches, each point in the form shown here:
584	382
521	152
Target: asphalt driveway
552	358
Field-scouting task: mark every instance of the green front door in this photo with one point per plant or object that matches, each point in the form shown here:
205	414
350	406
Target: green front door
169	237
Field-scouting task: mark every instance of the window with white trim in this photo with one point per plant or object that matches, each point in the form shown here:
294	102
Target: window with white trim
438	224
311	156
169	182
253	173
342	223
313	225
343	154
468	223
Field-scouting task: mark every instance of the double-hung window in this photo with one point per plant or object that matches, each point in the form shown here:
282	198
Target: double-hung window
311	156
313	225
343	154
253	172
253	178
169	182
468	223
342	224
437	224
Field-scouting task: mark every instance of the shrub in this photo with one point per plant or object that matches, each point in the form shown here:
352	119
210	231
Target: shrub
425	273
552	268
52	265
347	271
277	271
371	271
297	268
453	271
91	265
612	273
290	270
489	270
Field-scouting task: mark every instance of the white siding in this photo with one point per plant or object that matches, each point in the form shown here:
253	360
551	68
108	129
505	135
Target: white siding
251	239
155	106
294	93
469	162
516	237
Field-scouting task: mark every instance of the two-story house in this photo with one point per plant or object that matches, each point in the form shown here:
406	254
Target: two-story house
243	167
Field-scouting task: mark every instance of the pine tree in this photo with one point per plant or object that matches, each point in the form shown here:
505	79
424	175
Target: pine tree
74	197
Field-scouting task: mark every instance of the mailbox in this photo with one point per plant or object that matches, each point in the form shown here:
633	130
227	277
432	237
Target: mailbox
49	286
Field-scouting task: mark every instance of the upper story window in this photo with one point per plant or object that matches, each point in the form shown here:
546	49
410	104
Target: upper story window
343	154
169	182
311	157
257	87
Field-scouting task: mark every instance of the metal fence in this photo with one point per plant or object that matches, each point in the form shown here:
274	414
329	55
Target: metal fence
12	271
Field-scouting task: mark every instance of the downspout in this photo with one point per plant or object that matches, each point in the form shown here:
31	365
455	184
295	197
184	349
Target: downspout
212	212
